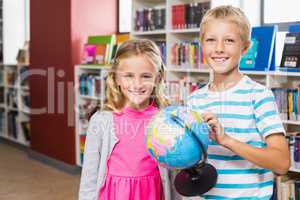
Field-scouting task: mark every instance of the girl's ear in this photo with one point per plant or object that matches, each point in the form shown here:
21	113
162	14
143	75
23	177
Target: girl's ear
117	79
158	78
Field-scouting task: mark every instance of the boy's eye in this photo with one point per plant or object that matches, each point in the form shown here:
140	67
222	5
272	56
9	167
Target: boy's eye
229	40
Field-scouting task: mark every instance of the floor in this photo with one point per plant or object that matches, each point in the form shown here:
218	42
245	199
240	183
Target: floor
22	178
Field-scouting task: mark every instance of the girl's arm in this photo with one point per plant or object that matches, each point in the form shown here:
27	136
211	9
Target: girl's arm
275	156
88	182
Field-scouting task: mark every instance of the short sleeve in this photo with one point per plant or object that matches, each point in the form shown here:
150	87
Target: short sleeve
266	113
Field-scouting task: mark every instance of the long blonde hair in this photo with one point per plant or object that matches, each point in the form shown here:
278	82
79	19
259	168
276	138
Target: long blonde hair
114	97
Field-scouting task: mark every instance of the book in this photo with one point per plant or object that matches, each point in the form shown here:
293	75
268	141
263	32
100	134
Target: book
120	38
89	52
248	60
291	52
25	125
265	55
101	40
100	53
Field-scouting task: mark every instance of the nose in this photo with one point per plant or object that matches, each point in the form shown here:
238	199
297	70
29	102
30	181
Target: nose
137	83
219	47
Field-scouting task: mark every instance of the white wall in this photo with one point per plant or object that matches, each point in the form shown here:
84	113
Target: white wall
251	8
14	29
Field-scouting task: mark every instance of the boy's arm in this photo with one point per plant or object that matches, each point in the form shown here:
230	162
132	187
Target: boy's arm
275	156
89	174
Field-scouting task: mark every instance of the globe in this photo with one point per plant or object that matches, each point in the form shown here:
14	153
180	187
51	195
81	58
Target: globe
173	137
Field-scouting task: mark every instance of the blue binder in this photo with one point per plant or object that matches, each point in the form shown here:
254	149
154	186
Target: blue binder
265	57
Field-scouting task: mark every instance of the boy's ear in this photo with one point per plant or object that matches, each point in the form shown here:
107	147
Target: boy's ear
245	48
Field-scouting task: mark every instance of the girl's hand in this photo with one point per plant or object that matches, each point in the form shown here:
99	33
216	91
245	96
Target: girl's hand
217	131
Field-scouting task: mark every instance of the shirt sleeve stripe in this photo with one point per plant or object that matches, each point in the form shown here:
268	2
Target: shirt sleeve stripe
226	158
265	115
269	128
247	185
243	171
263	101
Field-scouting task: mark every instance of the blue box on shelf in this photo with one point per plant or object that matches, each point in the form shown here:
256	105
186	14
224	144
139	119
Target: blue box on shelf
263	42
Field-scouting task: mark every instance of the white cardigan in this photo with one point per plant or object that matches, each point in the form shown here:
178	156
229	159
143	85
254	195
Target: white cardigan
100	141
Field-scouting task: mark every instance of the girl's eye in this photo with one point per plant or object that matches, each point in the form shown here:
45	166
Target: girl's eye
147	76
209	40
127	75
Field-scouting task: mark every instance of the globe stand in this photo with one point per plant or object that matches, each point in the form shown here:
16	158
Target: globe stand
198	179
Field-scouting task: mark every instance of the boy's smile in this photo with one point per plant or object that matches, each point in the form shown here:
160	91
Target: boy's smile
222	46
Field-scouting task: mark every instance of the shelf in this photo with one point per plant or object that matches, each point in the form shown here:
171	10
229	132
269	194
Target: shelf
89	97
262	73
12	109
187	70
183	31
91	66
292	122
293	169
156	32
25	143
24	87
282	73
12	87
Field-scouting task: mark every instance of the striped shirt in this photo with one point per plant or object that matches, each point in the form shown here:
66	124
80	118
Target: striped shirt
248	113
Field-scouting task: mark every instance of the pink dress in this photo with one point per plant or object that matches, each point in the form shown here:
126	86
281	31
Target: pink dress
131	173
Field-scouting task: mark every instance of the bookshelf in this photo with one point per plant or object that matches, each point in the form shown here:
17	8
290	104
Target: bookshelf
14	104
184	76
89	93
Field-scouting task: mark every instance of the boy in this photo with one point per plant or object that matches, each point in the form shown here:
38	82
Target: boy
248	142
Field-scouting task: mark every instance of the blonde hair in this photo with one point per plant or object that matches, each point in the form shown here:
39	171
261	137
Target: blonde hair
136	47
234	15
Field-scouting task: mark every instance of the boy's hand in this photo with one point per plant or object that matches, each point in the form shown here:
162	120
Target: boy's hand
217	131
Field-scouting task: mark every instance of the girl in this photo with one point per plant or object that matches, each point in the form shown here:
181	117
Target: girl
116	164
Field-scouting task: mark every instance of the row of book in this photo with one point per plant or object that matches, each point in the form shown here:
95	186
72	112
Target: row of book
1	76
12	127
187	54
287	188
2	95
2	119
100	49
11	77
90	85
188	15
288	102
150	19
294	146
86	108
179	90
163	49
12	98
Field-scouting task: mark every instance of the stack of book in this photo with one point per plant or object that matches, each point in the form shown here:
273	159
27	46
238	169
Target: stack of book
186	16
187	54
288	102
150	19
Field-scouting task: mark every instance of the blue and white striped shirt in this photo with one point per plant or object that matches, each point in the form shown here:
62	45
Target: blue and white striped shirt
248	113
